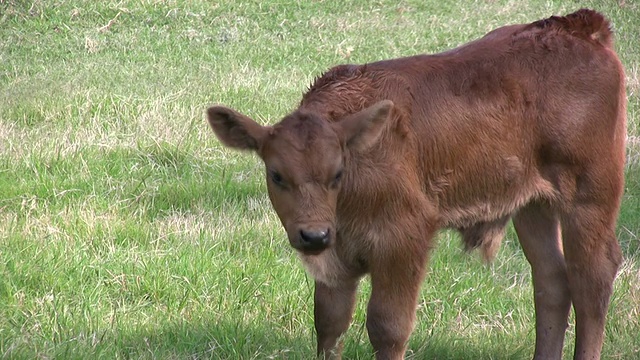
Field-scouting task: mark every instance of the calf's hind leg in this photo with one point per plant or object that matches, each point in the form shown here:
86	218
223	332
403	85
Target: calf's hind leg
538	230
592	255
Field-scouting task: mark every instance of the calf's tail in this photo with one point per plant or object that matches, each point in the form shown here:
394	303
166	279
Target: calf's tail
584	23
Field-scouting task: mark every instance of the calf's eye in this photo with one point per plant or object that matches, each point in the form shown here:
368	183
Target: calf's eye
336	179
276	178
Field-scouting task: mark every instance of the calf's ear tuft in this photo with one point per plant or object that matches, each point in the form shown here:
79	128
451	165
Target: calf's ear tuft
234	129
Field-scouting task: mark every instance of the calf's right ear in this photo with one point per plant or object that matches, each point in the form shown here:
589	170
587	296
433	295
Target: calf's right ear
236	130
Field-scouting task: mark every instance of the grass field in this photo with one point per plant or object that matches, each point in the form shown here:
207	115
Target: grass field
128	232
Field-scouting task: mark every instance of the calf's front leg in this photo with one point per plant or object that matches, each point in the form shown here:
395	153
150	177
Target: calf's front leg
334	307
392	306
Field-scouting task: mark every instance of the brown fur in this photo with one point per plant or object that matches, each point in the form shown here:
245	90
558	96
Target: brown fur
526	123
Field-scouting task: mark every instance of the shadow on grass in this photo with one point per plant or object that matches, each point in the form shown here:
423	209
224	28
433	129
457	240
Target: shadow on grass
219	340
226	340
628	225
447	348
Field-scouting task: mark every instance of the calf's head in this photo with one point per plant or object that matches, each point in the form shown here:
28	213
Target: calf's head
304	156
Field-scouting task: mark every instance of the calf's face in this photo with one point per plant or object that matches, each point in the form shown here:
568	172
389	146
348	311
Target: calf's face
305	160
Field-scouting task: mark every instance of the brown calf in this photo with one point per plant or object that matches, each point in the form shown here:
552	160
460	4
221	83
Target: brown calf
526	123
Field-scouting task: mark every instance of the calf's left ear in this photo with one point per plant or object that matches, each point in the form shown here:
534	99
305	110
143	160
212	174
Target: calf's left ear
362	129
236	130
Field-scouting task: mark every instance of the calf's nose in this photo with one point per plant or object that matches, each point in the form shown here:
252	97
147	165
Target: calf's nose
313	240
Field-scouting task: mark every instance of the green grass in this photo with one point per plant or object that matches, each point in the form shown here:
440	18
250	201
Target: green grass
128	231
